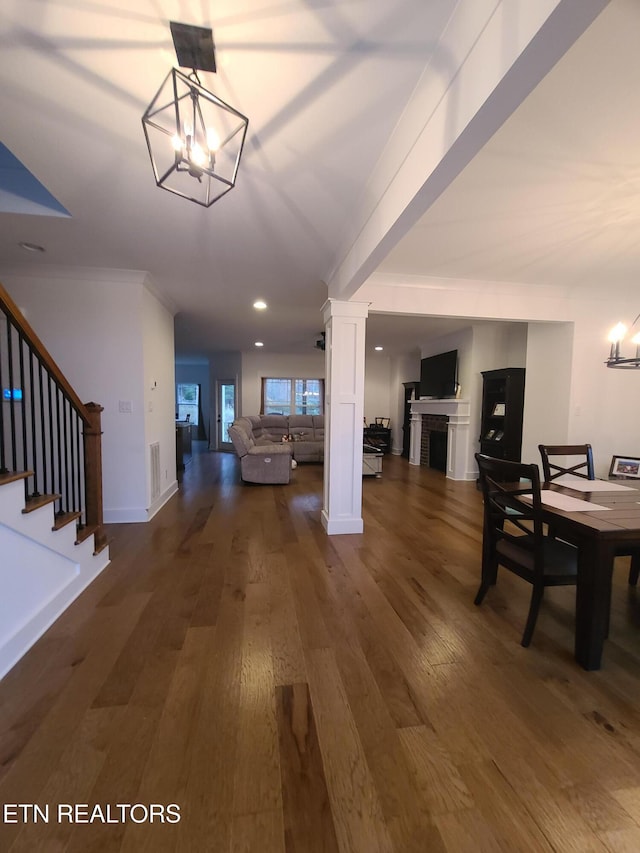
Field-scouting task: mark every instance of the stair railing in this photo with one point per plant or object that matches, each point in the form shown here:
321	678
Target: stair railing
46	432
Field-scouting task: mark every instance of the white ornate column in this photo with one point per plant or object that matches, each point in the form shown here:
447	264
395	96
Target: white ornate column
458	414
345	326
415	437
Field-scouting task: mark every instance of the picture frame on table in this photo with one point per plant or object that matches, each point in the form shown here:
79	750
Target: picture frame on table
625	467
490	435
499	410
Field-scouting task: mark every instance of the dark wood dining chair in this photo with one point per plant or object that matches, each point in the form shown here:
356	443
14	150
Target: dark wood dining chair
583	468
552	470
513	534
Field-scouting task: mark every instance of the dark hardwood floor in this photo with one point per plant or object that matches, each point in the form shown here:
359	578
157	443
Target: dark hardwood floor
290	691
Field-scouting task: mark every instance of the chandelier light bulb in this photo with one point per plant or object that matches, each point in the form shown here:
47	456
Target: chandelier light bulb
197	155
617	333
213	140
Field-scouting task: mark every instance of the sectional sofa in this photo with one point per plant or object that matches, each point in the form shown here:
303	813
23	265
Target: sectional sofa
265	457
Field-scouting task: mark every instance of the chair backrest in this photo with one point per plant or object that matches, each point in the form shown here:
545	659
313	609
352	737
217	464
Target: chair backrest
275	426
512	528
553	470
242	437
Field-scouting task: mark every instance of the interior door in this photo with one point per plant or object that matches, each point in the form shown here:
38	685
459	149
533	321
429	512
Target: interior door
226	413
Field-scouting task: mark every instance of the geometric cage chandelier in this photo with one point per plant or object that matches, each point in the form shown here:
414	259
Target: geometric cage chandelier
616	358
195	139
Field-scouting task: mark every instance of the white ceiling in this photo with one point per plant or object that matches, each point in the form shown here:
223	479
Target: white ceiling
554	196
551	198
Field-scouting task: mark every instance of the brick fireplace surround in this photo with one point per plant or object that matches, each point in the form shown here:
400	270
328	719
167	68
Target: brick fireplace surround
430	423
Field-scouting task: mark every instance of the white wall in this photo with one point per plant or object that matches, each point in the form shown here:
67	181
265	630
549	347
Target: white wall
495	345
403	369
570	396
256	365
548	343
93	324
159	396
603	404
379	391
516	344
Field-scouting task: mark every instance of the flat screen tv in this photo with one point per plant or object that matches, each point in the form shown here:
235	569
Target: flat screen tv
439	375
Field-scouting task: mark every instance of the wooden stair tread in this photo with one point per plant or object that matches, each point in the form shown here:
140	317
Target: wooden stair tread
101	547
41	500
12	476
85	532
61	519
64	518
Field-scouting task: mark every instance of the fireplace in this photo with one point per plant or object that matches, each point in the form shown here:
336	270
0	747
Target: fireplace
433	442
440	437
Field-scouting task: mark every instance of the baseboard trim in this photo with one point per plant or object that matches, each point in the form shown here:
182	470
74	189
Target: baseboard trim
336	527
134	515
125	516
157	505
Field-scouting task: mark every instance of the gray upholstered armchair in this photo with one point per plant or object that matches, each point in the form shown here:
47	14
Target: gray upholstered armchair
260	462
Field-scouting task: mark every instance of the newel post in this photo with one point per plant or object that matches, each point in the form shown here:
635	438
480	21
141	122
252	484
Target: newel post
93	473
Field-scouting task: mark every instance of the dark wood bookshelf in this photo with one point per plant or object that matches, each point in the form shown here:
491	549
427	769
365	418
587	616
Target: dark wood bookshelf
502	411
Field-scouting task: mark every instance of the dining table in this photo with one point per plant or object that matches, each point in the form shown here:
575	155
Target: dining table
602	519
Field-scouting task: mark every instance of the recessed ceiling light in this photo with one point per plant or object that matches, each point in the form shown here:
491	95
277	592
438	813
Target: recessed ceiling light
259	344
378	349
260	305
31	247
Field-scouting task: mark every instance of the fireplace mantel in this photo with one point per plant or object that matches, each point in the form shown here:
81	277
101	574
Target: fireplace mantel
458	413
457	409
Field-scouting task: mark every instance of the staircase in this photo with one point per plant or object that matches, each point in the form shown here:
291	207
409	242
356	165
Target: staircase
52	539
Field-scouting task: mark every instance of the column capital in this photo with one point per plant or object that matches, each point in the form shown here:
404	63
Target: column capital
338	308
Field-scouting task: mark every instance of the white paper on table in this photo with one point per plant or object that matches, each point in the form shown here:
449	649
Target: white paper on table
581	485
560	501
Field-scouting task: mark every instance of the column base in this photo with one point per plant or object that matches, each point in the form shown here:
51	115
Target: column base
336	527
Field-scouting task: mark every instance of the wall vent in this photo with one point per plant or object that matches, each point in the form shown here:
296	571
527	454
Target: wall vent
154	450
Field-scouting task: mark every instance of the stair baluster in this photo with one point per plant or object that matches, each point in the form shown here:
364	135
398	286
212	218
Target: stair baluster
45	430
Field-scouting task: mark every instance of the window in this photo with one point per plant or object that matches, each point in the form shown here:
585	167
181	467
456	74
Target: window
188	402
292	396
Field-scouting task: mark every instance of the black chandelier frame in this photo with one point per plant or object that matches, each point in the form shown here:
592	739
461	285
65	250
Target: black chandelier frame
194	138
